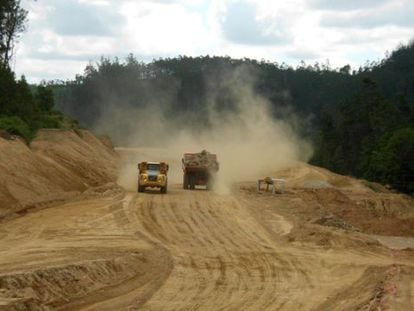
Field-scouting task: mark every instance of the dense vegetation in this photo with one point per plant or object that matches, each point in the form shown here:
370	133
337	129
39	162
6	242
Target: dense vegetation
370	132
361	122
23	109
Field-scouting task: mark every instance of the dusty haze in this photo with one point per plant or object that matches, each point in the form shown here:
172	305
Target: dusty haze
248	139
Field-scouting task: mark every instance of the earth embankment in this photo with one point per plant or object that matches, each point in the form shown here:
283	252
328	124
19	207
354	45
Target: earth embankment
315	246
56	166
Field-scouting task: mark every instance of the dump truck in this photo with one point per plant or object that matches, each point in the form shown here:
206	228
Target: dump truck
153	175
199	169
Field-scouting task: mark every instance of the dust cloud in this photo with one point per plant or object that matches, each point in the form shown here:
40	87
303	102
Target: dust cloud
248	140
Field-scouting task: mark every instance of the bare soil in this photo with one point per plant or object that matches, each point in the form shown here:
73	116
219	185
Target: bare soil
56	167
314	247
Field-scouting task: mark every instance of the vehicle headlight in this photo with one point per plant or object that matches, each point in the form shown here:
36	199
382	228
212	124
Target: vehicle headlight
144	177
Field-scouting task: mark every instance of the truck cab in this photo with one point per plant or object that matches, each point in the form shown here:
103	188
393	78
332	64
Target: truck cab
153	175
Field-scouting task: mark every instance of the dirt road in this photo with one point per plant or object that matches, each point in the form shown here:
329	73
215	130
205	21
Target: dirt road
192	250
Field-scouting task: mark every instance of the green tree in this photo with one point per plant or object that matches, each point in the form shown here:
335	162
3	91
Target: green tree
7	90
12	23
44	98
22	112
15	125
392	162
347	112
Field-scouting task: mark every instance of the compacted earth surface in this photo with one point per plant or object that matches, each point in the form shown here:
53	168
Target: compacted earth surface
328	242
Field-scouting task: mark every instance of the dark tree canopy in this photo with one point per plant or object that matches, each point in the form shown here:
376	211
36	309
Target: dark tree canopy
12	23
25	109
350	115
361	122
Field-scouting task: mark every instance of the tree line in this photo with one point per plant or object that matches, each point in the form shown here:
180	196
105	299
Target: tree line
23	108
370	133
361	121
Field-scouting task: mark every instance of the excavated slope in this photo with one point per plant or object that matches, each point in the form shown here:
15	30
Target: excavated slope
58	165
309	248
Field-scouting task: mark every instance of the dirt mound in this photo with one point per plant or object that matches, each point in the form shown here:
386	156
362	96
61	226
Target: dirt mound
380	284
375	213
332	221
81	152
57	166
48	288
345	202
115	250
328	199
304	175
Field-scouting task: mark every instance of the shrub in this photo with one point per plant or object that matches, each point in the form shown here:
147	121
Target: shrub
48	121
15	125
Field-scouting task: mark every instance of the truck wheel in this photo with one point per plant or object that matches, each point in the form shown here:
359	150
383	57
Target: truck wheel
209	184
164	189
141	189
192	182
185	181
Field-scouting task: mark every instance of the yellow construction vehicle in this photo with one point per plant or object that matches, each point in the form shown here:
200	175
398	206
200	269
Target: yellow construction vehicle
152	175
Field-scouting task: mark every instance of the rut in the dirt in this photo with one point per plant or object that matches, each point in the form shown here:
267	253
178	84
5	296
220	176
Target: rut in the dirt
191	250
224	258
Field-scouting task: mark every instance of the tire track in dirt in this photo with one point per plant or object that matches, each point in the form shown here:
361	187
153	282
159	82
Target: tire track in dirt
225	258
84	256
221	258
190	250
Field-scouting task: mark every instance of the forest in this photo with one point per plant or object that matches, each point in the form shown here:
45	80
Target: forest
360	122
23	108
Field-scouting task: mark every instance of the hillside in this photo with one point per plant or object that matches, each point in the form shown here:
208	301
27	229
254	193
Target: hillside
58	165
357	120
328	242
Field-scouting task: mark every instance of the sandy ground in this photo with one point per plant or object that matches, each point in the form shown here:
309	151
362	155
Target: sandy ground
193	250
57	166
328	242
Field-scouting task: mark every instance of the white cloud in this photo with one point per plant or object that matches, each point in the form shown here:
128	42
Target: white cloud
73	32
396	13
244	23
37	70
154	28
345	5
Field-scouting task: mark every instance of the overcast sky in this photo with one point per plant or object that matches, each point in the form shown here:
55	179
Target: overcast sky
65	35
